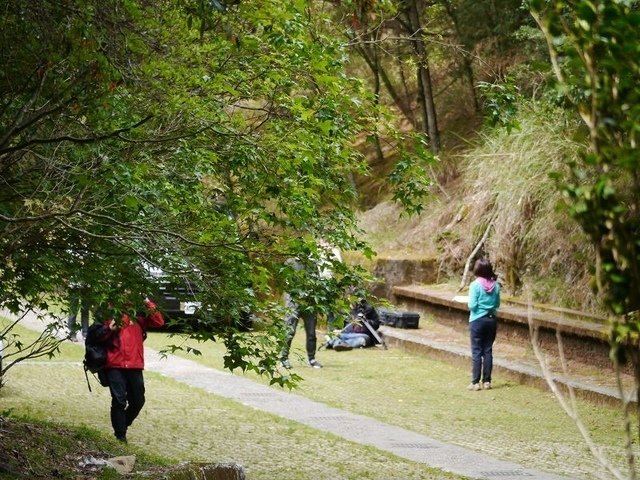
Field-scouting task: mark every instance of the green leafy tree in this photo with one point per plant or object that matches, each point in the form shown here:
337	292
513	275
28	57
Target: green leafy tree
212	140
595	52
425	61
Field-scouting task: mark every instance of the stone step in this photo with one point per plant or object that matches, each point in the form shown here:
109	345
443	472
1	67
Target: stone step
443	333
567	321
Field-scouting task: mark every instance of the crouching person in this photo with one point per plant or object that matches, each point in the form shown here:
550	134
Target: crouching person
125	362
359	333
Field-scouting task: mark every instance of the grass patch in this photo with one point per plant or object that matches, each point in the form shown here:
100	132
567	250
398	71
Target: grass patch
516	422
184	423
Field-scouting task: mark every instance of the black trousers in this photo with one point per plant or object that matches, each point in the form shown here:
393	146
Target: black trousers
127	398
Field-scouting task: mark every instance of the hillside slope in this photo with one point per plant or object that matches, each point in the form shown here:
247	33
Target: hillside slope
503	189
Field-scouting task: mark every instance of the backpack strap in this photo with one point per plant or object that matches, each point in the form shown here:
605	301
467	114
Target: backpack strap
86	375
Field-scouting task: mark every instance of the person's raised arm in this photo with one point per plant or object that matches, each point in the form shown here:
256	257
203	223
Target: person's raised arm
153	317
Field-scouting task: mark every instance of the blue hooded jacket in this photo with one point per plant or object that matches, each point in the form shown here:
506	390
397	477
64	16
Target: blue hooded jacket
484	298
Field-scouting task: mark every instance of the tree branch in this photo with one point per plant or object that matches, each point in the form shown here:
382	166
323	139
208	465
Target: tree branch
473	253
570	408
78	140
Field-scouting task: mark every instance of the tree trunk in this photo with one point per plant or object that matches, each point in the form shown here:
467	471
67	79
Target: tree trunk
376	57
380	73
466	60
427	106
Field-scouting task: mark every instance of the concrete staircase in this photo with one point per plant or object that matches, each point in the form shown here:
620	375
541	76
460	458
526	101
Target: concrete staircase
583	339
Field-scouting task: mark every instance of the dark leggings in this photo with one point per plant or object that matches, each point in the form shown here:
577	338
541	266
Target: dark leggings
291	322
127	398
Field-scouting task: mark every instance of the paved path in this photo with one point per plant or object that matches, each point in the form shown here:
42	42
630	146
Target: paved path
357	428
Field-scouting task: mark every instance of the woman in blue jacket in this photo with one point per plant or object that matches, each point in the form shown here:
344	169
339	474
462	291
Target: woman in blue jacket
484	300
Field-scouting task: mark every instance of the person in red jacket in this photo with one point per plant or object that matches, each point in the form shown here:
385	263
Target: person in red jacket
125	362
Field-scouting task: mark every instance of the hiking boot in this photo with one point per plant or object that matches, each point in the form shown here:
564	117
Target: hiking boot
313	363
487	385
342	347
474	387
285	364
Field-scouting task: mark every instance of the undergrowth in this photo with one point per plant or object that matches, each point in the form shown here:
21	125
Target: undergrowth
505	186
35	449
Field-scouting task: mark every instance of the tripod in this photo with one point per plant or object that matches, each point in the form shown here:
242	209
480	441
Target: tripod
374	334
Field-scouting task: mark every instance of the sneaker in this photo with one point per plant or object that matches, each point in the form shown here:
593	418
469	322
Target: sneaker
342	347
474	387
285	364
487	385
315	363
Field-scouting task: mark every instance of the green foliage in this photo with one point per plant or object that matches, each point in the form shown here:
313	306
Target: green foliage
594	48
212	143
410	178
501	101
493	23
